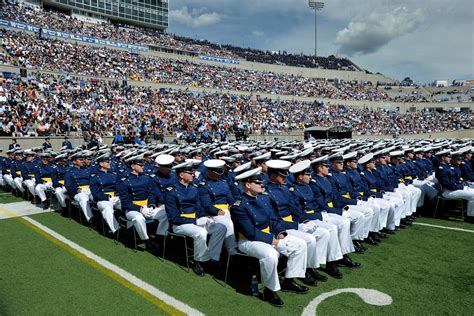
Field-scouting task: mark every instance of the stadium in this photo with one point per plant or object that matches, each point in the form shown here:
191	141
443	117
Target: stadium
154	173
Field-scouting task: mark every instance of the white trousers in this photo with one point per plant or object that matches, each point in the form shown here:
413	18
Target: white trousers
2	182
18	181
343	225
30	184
420	184
60	193
465	194
199	232
9	180
41	190
139	221
312	260
83	198
294	248
397	208
407	198
107	210
382	208
360	222
230	242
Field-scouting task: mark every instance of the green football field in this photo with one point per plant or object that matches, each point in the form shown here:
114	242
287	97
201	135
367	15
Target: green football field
425	270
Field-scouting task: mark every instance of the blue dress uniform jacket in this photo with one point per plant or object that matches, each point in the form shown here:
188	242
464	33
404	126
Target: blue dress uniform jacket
303	206
214	192
15	168
101	183
255	220
75	178
28	169
466	170
43	172
344	188
280	198
164	181
67	144
356	184
6	166
370	184
324	194
136	191
183	205
446	176
149	169
61	171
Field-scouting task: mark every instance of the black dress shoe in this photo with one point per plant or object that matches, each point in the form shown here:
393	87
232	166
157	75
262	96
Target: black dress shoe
289	285
388	231
406	222
332	270
370	241
272	298
44	205
198	269
212	265
358	248
382	235
316	275
347	261
308	280
375	237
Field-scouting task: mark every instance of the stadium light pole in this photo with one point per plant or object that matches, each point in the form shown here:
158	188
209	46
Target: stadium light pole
316	6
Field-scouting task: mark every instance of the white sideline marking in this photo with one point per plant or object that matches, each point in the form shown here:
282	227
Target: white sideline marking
369	296
444	227
124	274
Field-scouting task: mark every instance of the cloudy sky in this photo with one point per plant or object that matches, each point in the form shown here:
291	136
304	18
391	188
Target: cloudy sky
425	39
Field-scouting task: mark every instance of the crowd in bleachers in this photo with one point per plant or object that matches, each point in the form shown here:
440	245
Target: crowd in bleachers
137	35
44	106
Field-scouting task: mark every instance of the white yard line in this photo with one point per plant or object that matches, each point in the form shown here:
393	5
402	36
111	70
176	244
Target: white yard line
445	227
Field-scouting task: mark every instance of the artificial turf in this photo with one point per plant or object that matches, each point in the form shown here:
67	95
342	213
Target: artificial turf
425	270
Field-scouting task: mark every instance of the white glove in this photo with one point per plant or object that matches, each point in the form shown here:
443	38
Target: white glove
114	199
147	211
286	245
308	227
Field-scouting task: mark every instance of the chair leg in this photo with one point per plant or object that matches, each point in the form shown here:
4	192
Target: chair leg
134	239
227	268
186	250
436	207
164	246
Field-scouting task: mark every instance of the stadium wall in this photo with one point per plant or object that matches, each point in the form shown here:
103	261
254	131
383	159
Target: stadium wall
403	107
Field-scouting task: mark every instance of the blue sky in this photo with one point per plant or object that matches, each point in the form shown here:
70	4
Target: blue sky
425	39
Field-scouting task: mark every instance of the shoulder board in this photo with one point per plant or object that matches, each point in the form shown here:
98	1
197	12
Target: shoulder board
440	167
123	178
236	183
312	180
170	188
362	173
93	174
237	203
202	183
121	170
463	163
194	185
343	172
292	189
54	166
329	174
265	193
452	168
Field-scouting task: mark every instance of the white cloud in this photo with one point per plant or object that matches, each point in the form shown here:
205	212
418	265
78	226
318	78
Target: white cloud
369	34
195	18
258	33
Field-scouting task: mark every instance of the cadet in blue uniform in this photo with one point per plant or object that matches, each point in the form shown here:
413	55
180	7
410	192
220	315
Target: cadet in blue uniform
66	143
6	169
263	235
326	200
140	199
28	171
2	163
104	191
185	213
453	187
45	175
216	199
16	166
466	169
77	183
47	144
342	187
317	238
62	168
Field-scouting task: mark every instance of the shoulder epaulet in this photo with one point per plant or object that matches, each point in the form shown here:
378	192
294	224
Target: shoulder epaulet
152	175
292	188
236	183
194	185
170	188
202	183
265	193
343	172
93	174
237	203
312	180
362	173
123	178
462	162
440	167
329	174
